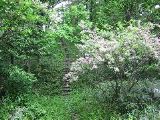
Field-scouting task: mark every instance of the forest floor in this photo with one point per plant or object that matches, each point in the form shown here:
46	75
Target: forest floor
79	105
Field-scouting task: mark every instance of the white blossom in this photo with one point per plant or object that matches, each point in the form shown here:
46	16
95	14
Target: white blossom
157	6
94	66
44	28
62	4
116	69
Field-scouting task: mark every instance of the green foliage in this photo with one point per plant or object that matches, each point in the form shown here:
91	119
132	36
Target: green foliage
69	29
23	32
80	104
75	14
118	59
22	37
113	11
19	81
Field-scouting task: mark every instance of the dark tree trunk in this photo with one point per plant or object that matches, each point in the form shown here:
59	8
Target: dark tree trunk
2	88
12	59
91	10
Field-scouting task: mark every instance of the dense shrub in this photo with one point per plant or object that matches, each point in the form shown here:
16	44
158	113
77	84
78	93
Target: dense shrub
19	81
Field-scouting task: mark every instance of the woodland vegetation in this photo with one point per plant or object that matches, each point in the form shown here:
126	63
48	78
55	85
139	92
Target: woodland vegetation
79	59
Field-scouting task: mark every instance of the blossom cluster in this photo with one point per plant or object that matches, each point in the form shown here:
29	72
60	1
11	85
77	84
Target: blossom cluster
95	48
122	46
152	41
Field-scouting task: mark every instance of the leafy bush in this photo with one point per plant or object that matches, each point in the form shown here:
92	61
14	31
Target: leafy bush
19	81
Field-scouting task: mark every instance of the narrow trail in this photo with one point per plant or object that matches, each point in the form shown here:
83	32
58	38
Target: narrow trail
58	18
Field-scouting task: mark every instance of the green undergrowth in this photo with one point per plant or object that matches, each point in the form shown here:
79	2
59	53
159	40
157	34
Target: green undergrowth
80	104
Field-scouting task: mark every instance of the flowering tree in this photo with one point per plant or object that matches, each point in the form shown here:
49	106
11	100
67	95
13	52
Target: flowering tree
126	53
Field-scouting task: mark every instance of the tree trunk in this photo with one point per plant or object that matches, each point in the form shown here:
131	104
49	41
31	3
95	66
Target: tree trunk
12	59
